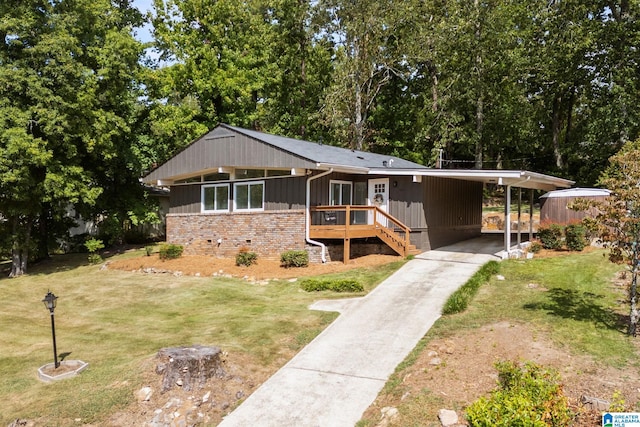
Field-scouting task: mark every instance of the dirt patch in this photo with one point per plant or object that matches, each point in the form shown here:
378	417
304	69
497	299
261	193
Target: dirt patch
458	370
264	269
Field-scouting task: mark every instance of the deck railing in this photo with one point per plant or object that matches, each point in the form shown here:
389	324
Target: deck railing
356	221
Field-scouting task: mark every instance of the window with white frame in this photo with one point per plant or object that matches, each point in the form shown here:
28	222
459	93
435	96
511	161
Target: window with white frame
248	196
340	192
215	198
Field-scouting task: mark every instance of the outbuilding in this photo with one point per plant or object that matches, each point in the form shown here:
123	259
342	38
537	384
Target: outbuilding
555	205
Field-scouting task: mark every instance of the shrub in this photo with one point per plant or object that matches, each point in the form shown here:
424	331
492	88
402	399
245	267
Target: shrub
344	285
294	259
575	236
148	250
94	245
246	258
528	395
170	251
535	247
550	236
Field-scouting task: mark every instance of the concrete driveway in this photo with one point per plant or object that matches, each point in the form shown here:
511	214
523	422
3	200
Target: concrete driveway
335	378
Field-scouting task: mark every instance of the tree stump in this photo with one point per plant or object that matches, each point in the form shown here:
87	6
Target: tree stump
189	367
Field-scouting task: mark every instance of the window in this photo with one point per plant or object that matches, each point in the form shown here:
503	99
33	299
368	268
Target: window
215	198
249	173
249	196
340	193
216	177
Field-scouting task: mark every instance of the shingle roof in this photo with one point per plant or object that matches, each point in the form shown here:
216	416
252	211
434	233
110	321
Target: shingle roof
328	154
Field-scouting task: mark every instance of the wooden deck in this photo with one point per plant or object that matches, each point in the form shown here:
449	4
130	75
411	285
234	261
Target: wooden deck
348	222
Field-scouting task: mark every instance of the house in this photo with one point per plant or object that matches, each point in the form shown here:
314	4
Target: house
235	189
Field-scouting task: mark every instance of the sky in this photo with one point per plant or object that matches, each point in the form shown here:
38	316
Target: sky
143	34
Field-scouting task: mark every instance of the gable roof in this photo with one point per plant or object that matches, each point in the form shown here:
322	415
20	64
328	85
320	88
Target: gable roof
230	146
326	156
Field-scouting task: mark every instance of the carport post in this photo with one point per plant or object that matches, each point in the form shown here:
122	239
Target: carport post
531	215
507	220
519	216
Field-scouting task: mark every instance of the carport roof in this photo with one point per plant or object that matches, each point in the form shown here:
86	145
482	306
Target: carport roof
514	178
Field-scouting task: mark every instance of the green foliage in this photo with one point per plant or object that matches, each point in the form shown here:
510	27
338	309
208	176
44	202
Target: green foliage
246	258
535	247
575	237
170	251
294	259
94	245
528	396
460	299
335	285
550	236
148	250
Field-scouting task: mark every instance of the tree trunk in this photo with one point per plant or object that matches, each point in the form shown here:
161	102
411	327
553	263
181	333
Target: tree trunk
555	128
633	295
20	247
189	367
480	100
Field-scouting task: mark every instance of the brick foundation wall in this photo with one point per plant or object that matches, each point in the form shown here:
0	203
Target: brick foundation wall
266	233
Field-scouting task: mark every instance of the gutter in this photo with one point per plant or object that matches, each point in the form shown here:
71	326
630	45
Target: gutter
307	219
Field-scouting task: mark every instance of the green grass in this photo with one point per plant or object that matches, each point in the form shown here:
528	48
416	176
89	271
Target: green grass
570	299
117	321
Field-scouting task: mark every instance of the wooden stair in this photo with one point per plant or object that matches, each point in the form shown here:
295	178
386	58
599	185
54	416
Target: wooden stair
396	242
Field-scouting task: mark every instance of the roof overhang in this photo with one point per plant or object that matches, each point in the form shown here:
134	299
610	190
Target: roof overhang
514	178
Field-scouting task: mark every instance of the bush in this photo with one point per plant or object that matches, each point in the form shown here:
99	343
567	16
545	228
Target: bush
550	236
575	236
246	258
170	251
294	259
527	396
344	285
459	300
535	247
148	250
94	245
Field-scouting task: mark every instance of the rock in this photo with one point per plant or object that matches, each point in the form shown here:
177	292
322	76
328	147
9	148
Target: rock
447	417
388	415
206	397
499	277
435	361
144	394
22	423
595	404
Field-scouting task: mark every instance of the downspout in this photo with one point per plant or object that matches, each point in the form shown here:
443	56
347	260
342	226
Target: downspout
308	214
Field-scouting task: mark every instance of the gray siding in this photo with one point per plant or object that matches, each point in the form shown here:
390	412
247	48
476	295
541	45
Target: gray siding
220	148
279	193
556	209
453	211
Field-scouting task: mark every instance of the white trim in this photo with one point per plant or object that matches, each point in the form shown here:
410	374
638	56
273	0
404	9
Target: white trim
202	202
249	184
341	182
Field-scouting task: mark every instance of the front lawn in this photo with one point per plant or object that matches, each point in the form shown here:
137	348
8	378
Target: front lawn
117	321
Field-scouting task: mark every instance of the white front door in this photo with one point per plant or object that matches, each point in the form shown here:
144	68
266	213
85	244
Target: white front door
378	195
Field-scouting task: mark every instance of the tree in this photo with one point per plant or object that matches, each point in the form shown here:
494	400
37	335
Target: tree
302	71
618	219
368	35
67	69
218	52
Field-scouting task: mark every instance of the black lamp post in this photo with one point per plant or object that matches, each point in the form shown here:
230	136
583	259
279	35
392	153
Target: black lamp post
50	302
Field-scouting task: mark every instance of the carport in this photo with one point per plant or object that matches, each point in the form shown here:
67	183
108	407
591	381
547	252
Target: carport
508	179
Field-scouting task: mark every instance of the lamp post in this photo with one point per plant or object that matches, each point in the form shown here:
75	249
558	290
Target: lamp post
50	302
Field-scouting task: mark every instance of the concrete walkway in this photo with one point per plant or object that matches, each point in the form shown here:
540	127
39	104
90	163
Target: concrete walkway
335	378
